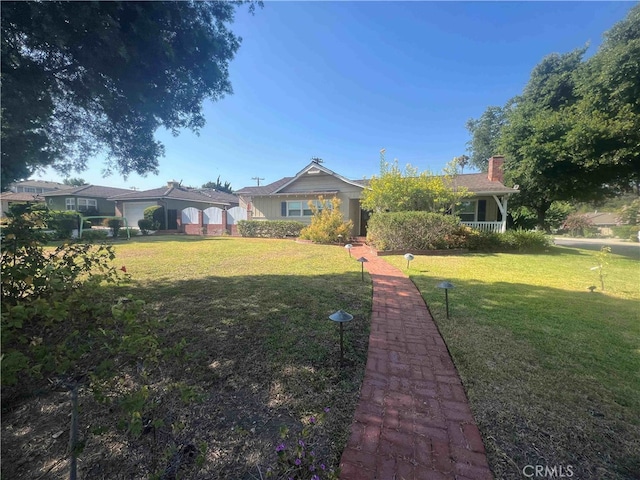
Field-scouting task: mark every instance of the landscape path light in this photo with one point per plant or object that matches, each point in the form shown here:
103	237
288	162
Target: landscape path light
341	317
409	257
446	286
348	246
362	261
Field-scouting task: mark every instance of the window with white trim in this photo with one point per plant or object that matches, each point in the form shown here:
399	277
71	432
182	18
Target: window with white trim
70	203
301	208
85	203
467	211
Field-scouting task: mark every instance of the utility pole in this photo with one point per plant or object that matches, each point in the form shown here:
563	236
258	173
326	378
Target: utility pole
257	179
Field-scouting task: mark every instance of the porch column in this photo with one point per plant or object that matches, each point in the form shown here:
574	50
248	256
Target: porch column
502	206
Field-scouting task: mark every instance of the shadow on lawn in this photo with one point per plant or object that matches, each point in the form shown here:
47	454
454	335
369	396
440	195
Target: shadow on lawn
239	358
551	374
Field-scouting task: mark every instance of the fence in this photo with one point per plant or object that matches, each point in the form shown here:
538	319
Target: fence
211	221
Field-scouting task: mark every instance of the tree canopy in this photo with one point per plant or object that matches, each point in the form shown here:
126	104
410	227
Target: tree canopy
219	186
574	132
84	77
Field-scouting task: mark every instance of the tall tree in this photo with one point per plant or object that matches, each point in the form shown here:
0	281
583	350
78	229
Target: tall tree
78	77
606	121
534	138
217	185
485	134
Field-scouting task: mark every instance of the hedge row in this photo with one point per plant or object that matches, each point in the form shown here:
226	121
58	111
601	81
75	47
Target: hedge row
414	231
431	231
270	229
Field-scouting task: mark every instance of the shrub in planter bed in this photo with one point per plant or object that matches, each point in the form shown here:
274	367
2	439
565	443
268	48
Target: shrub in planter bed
270	229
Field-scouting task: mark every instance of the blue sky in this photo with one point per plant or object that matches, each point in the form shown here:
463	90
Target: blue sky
341	80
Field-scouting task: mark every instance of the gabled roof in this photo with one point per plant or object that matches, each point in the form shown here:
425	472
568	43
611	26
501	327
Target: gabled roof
603	218
264	189
41	184
94	191
318	167
479	183
208	196
276	187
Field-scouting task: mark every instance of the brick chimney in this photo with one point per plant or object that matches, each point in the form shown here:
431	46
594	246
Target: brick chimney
496	173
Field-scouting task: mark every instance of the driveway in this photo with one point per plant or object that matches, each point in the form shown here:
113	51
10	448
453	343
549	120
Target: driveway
619	247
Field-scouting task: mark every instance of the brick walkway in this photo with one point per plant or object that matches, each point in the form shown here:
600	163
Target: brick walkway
413	419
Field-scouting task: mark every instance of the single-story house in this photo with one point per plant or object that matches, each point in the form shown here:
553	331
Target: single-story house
287	198
603	221
175	199
9	198
88	199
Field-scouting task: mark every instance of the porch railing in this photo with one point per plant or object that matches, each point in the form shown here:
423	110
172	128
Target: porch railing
495	227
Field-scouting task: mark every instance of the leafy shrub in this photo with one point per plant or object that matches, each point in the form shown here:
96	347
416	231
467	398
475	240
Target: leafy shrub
114	224
414	231
145	225
482	241
525	240
270	229
155	213
628	232
327	222
94	235
630	213
63	223
132	232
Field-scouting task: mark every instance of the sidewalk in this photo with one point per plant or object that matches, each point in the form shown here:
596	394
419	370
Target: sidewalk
413	419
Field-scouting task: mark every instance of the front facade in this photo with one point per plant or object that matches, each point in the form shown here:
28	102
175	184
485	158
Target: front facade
289	197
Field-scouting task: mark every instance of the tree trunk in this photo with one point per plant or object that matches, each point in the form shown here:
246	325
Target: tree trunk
541	212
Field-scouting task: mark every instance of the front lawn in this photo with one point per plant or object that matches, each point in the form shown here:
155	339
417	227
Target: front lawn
552	371
244	347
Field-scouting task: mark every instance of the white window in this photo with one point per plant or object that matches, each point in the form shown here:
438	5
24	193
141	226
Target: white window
467	211
301	208
85	203
70	203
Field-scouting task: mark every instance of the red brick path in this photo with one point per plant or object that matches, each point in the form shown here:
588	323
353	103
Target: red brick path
413	419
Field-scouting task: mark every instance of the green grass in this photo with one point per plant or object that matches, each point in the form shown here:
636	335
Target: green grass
552	371
246	347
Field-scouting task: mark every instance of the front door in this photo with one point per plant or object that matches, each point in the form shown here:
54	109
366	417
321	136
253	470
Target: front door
364	219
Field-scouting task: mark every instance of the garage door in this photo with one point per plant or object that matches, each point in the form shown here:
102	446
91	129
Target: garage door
134	211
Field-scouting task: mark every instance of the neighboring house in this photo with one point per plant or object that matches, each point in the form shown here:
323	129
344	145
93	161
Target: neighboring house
88	199
287	198
37	186
174	199
603	221
9	198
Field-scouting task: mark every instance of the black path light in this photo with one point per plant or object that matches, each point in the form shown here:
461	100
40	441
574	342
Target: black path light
362	261
409	257
341	317
446	286
348	246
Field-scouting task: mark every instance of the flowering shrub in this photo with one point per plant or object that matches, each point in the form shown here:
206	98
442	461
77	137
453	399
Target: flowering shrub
297	457
327	223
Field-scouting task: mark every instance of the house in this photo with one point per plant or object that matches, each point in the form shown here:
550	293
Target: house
28	191
88	199
604	221
287	198
37	186
181	206
9	198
